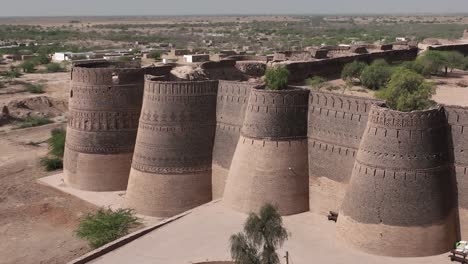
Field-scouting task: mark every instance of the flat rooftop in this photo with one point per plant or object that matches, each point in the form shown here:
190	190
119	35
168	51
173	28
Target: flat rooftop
203	235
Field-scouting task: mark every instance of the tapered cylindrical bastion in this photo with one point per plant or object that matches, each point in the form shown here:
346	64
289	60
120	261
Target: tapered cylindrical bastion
104	107
401	199
171	168
230	111
270	161
336	123
458	121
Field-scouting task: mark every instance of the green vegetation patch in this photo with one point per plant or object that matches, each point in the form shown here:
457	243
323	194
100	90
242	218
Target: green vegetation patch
106	225
35	88
407	91
52	163
33	122
263	234
276	78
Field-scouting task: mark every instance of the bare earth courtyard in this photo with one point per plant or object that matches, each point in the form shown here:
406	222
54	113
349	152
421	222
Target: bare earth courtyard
203	235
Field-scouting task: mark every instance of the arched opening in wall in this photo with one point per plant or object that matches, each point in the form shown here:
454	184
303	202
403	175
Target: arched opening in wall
71	93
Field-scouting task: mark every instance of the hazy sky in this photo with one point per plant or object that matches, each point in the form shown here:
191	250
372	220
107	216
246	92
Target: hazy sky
184	7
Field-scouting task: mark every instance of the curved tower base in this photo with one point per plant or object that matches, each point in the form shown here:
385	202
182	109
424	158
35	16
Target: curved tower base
96	172
154	194
413	241
258	175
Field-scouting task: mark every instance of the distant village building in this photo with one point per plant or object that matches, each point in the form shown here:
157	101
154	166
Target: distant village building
178	52
196	58
401	39
386	47
319	53
359	49
11	57
68	56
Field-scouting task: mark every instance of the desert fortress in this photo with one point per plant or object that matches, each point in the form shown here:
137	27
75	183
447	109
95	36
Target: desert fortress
396	178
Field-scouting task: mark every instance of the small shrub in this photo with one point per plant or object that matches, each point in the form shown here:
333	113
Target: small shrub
27	66
155	55
52	163
462	84
353	70
316	82
57	142
33	143
407	91
106	226
376	75
12	74
33	121
124	59
54	67
332	88
40	60
276	78
35	88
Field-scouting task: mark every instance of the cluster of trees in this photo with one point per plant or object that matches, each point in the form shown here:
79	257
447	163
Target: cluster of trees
29	66
438	63
404	86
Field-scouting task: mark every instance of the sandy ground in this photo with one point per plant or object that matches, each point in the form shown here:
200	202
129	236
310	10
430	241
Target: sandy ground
36	221
203	235
449	90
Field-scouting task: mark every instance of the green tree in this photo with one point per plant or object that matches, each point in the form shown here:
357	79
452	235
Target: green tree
27	66
263	235
407	91
353	70
316	82
276	78
155	55
40	59
454	60
437	62
54	67
376	75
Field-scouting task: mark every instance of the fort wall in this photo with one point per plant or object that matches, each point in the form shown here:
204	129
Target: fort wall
458	120
336	123
104	106
230	110
299	71
403	176
270	161
171	167
462	48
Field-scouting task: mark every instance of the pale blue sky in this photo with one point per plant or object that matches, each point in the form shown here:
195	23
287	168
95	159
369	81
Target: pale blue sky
188	7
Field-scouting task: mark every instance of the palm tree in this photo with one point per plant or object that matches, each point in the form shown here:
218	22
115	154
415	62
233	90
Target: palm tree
262	235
